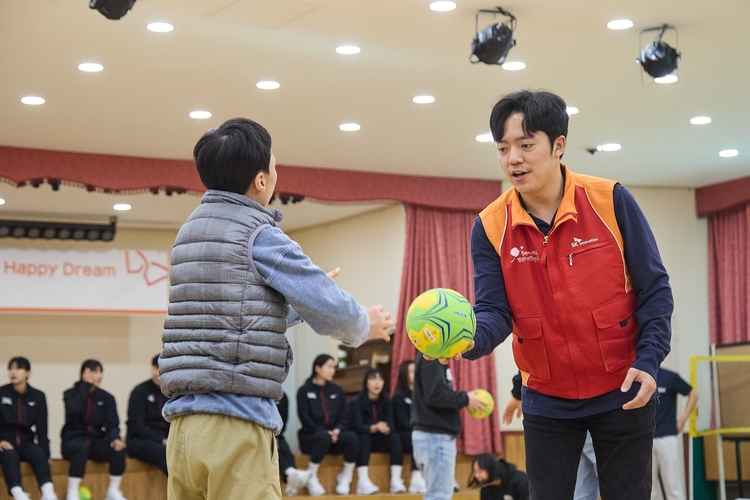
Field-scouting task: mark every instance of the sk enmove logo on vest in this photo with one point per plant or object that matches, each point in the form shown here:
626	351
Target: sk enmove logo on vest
578	242
521	255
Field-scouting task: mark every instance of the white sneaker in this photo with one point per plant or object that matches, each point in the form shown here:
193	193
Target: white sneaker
54	497
365	486
343	483
290	491
417	484
314	488
298	478
21	495
397	485
71	496
114	495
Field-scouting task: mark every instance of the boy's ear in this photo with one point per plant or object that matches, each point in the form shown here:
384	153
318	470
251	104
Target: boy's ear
260	182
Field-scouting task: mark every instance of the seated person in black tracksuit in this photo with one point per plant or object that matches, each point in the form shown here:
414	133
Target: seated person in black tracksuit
498	479
92	431
401	403
293	477
147	429
23	431
372	420
324	416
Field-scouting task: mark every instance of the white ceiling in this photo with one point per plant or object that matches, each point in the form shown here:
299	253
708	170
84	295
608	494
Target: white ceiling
219	49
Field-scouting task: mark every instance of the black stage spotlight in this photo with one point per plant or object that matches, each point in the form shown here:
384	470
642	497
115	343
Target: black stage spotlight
491	45
58	230
658	59
112	9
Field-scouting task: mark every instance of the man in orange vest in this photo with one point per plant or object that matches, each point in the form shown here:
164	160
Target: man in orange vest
568	264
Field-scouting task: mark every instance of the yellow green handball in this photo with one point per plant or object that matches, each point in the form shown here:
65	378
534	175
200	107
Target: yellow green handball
488	400
84	493
440	323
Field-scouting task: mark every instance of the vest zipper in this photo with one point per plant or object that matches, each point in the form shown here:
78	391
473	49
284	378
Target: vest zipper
20	421
87	420
324	405
570	259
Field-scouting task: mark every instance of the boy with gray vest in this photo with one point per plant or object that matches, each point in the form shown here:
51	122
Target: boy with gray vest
237	283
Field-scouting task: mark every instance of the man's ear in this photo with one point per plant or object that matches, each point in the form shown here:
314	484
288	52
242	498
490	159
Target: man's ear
558	147
260	182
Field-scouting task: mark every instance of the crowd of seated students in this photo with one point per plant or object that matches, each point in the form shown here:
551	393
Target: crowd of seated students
91	430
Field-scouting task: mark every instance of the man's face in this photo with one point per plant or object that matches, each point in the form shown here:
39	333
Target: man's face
528	162
270	182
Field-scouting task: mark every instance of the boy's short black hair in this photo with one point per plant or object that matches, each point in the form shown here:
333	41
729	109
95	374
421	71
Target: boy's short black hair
229	156
92	365
20	362
541	110
155	361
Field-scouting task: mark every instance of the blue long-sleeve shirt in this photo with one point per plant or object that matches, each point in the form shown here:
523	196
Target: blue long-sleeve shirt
654	306
312	296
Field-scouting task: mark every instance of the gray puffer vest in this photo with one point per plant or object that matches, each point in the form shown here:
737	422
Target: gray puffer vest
225	330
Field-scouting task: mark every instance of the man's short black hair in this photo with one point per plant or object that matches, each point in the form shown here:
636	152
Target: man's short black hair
92	365
155	361
541	110
20	362
230	156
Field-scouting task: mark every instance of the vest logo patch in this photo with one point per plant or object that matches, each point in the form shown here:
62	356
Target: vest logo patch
32	403
662	390
100	403
7	401
577	242
407	401
521	255
333	396
312	395
151	398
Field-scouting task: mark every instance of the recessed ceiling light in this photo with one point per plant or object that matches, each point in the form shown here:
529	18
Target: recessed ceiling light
159	27
666	79
268	85
728	153
90	67
348	50
32	100
484	137
349	127
609	147
424	99
2	201
620	24
442	6
700	120
571	110
200	115
122	207
513	65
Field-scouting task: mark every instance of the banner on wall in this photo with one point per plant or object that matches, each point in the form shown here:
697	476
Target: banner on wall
83	282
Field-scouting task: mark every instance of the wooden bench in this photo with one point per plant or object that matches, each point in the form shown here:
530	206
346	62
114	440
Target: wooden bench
141	481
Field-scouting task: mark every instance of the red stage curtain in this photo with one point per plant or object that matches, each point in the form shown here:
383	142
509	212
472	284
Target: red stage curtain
729	275
437	254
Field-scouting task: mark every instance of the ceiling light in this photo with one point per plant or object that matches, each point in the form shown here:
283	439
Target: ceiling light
424	99
609	147
513	65
442	6
200	115
268	85
32	100
620	24
491	45
485	137
700	120
348	50
90	67
349	127
658	59
728	153
2	201
666	79
122	207
112	9
571	110
159	27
